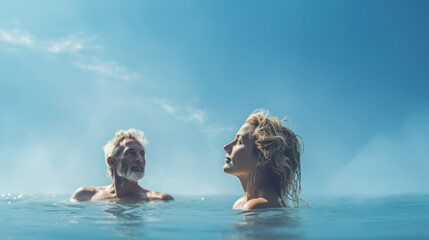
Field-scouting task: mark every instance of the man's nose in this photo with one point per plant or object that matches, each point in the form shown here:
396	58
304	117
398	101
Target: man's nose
140	158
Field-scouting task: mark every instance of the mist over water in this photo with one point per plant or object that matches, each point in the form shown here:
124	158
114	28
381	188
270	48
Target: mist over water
391	163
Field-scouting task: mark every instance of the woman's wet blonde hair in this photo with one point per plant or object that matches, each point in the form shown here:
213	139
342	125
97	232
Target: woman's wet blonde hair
282	148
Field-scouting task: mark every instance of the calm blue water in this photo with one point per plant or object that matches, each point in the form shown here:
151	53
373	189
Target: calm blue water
53	217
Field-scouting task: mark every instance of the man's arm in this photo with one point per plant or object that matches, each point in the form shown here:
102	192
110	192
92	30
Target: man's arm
160	196
83	194
165	196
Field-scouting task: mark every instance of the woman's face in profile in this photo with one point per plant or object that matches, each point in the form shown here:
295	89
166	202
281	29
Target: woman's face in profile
241	157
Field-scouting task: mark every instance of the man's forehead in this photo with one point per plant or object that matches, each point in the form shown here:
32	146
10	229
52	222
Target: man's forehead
132	143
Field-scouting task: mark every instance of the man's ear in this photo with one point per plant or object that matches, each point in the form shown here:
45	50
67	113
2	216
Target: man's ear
110	162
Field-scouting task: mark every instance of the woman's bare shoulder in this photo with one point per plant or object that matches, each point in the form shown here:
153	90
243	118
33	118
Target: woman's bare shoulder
239	203
258	203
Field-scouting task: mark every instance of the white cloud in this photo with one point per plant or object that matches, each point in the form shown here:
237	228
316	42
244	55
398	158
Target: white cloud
196	115
108	69
165	105
72	44
69	45
192	115
187	114
16	37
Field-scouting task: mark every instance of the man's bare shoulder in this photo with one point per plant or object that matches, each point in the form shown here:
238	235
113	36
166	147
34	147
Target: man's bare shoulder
84	194
154	195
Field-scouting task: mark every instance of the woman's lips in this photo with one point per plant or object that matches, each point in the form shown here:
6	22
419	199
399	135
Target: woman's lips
227	160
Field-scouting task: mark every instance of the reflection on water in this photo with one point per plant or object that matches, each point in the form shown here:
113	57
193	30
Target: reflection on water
266	224
127	219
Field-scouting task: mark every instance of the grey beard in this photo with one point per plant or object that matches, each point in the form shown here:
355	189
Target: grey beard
130	175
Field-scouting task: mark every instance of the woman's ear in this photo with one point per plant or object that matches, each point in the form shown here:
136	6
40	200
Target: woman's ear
263	162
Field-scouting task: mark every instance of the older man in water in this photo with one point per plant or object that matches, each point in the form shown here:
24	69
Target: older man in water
125	160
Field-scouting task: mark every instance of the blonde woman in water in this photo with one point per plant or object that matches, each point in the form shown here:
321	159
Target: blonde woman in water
265	156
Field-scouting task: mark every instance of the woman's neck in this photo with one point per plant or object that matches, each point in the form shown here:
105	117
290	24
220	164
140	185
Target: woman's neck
259	185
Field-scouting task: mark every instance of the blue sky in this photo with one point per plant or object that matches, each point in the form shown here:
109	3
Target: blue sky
351	77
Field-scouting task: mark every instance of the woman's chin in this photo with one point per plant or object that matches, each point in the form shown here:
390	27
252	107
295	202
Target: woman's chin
227	168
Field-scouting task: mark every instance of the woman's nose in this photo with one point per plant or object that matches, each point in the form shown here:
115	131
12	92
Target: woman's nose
227	147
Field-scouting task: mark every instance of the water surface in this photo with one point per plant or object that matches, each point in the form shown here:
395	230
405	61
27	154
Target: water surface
211	217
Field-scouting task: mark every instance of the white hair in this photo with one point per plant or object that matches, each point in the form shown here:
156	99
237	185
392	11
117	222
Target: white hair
114	147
